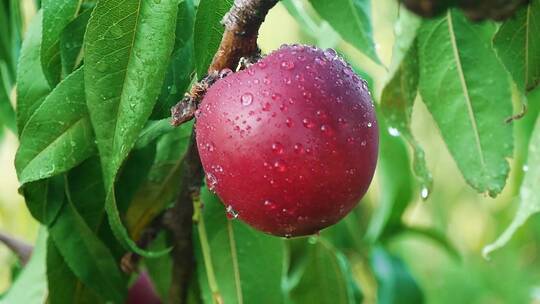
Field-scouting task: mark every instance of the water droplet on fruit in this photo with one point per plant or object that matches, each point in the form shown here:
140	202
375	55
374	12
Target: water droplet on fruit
393	132
211	181
280	166
277	148
231	213
320	61
246	99
350	140
267	80
348	72
266	107
269	204
298	148
308	123
288	122
363	143
261	64
369	124
287	65
276	96
326	130
330	54
341	121
301	57
218	169
283	107
210	147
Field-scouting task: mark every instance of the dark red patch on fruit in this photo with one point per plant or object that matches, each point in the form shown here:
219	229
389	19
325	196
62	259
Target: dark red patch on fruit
290	144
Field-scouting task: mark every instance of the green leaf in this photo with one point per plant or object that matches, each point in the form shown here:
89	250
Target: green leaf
153	130
400	91
57	14
160	269
71	42
396	186
7	114
44	198
317	263
528	194
235	263
58	136
518	47
181	71
86	255
468	92
32	87
352	20
162	183
395	283
64	286
123	75
208	32
31	284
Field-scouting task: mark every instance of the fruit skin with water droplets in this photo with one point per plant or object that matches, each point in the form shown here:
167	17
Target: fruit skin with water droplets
289	144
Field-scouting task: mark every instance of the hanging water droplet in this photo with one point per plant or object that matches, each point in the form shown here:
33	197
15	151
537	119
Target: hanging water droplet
393	132
246	99
231	213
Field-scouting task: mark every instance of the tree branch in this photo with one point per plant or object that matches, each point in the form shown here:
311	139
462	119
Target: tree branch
242	24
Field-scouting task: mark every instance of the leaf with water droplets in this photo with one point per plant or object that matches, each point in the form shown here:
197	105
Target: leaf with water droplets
518	47
58	136
468	92
230	256
71	42
528	194
123	76
352	20
399	93
57	14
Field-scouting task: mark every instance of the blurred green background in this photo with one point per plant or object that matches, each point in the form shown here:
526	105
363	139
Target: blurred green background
469	220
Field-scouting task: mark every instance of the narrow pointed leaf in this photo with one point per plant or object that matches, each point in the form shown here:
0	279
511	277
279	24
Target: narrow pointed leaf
518	46
71	42
57	14
58	136
399	93
126	54
208	31
235	263
528	194
32	87
352	20
467	90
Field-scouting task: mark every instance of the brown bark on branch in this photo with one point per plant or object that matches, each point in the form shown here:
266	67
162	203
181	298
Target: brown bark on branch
239	40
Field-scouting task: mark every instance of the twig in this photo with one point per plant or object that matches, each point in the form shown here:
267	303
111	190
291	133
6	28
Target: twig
20	248
239	40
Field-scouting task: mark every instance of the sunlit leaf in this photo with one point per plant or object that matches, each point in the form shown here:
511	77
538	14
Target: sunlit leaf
467	90
352	20
126	54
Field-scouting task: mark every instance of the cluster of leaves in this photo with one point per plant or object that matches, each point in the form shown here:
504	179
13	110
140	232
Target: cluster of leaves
98	160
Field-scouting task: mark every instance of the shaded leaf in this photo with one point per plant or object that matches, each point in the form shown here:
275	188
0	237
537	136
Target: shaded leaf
63	285
32	87
208	32
315	262
352	20
467	91
396	186
528	194
123	77
71	42
160	269
44	198
395	283
231	255
57	14
31	284
518	47
86	255
58	136
7	113
400	91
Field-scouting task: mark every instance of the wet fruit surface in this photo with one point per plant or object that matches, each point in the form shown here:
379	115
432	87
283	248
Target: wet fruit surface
289	144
